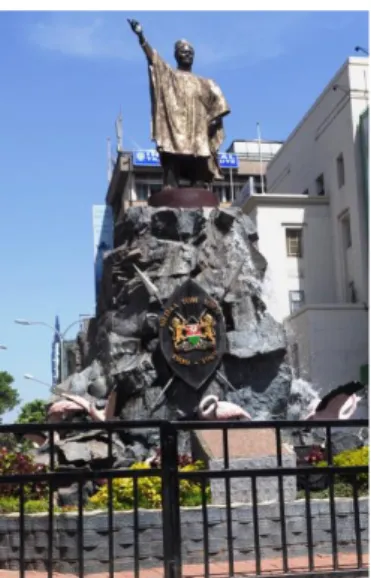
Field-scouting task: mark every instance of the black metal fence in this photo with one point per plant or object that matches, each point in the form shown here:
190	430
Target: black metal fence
251	533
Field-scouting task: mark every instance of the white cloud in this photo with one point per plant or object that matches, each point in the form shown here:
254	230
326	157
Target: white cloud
240	38
251	38
87	40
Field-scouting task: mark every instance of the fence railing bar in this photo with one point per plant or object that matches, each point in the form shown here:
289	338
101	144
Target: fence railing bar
308	517
86	475
205	526
255	517
357	523
111	552
334	541
170	502
269	472
51	506
117	426
227	484
276	424
281	497
325	573
80	529
22	531
136	527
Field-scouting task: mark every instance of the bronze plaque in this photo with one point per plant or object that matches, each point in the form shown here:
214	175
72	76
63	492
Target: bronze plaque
192	334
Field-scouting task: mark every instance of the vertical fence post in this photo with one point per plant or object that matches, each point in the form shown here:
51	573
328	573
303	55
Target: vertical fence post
170	501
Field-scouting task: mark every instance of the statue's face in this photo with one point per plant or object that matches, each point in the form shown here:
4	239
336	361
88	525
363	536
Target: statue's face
184	55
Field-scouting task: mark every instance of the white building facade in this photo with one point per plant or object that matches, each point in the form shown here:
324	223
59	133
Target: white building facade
313	230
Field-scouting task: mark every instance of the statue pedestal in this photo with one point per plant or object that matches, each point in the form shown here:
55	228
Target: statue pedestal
186	198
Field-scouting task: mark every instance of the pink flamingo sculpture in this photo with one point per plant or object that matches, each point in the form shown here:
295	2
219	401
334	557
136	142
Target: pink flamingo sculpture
211	408
340	403
69	405
72	403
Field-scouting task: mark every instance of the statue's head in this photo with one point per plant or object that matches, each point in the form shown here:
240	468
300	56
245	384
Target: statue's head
184	54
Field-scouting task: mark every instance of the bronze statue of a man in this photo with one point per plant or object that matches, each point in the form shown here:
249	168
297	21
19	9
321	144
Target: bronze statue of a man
187	113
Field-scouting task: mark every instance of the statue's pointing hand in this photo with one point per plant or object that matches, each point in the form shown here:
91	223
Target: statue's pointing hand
136	27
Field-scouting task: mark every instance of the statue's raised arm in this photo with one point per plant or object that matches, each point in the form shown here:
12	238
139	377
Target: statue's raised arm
138	30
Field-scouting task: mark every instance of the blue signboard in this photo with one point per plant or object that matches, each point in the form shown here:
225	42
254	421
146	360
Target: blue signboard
151	158
146	158
228	161
56	351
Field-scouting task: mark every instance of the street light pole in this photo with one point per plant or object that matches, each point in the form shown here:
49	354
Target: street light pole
52	388
61	335
32	378
361	49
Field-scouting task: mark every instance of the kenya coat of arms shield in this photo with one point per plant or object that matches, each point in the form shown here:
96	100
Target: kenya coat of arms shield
192	334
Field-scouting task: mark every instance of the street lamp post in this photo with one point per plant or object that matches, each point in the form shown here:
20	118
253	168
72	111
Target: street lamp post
361	49
32	378
61	335
52	388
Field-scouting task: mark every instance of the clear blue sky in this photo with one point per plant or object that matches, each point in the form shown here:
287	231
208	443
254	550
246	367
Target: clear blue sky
64	77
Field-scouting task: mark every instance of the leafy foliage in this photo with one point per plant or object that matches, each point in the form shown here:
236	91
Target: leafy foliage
149	489
341	490
18	463
343	483
315	455
33	412
10	504
348	458
9	396
9	441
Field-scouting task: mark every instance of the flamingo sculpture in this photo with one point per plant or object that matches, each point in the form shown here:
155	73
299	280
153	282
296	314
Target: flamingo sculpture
70	404
211	408
37	440
340	403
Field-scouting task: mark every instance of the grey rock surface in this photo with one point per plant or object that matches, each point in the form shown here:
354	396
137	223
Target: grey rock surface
217	249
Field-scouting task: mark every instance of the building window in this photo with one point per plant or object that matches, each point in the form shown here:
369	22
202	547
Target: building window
296	300
352	294
294	242
155	188
295	362
320	185
340	170
258	184
347	233
141	190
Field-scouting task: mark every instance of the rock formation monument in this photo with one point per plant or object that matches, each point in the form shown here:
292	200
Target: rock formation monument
217	250
182	239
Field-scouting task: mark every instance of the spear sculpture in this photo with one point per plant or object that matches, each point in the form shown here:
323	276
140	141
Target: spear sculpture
151	287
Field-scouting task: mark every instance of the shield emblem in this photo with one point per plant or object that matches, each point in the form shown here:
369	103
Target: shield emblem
192	334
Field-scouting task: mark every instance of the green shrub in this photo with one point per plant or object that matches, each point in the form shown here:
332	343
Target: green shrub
348	458
343	483
10	504
357	457
149	491
18	463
